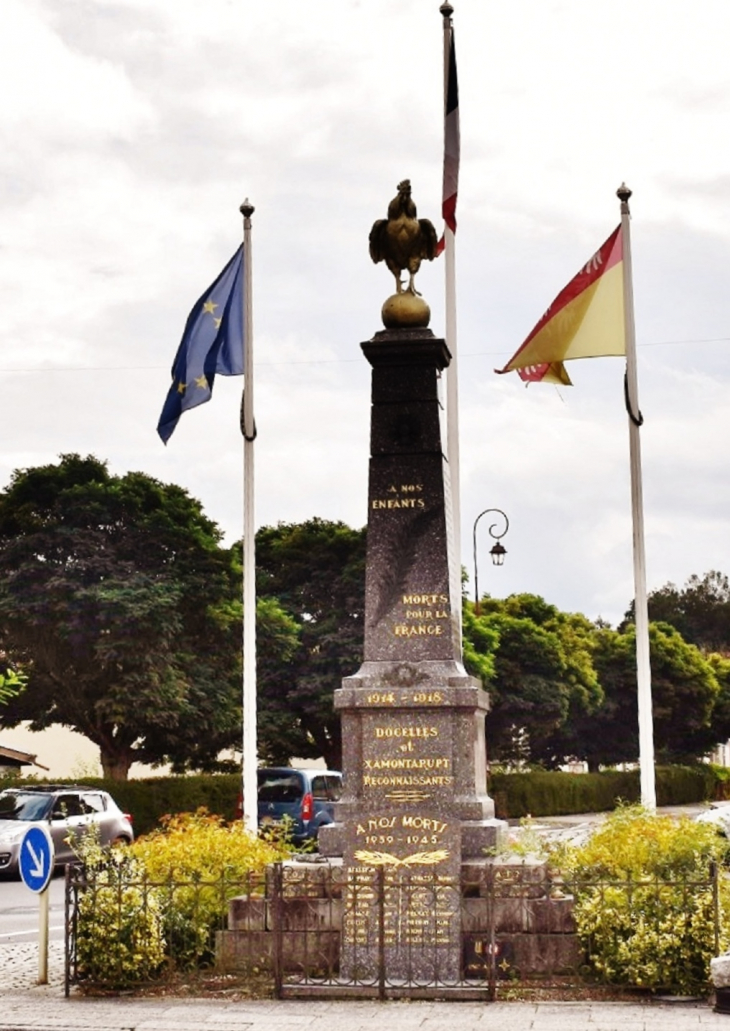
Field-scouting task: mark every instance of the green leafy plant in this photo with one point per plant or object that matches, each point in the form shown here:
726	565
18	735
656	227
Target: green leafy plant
200	862
645	899
119	930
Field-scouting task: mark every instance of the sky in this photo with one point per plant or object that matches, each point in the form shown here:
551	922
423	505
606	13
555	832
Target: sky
131	132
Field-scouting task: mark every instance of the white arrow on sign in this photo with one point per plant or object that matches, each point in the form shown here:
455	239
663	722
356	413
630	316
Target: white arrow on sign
38	860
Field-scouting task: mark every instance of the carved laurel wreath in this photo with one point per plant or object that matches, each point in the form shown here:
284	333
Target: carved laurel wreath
416	859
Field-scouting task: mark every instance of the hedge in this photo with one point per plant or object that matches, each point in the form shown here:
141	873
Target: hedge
534	793
149	798
543	793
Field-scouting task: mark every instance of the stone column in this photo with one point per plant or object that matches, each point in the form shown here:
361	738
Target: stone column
414	761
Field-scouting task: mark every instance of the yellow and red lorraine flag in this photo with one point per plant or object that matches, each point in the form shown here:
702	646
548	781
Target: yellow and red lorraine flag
586	320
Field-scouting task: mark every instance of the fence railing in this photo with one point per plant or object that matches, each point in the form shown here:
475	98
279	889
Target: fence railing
308	928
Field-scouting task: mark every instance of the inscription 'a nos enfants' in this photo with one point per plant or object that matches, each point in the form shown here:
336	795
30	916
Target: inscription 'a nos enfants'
406	496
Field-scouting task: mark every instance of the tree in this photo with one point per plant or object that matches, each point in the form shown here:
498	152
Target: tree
720	718
316	572
685	691
543	675
11	683
700	611
119	601
610	734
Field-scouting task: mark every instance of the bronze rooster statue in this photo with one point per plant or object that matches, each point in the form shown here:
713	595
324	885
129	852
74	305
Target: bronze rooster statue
402	241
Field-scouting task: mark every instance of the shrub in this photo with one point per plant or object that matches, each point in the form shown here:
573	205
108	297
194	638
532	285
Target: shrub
200	863
119	918
651	923
552	793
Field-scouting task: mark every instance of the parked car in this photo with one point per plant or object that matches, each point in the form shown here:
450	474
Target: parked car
67	812
305	798
718	815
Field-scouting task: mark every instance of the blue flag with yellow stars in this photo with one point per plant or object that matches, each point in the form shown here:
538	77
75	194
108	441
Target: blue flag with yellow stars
212	342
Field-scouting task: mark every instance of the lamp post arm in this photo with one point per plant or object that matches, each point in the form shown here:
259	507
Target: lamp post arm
495	536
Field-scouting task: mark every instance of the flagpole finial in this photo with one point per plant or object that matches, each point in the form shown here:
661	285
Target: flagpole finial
247	209
623	193
446	9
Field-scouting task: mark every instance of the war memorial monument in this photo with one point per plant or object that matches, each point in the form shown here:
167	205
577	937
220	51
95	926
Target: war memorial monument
409	895
414	755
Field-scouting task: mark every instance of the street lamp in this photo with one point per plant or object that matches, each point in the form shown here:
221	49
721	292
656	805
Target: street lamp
497	551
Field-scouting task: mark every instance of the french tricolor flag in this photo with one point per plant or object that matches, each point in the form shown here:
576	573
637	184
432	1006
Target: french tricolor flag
451	146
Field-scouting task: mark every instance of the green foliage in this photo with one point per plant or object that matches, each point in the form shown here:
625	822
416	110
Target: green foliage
548	793
117	595
632	843
200	863
720	665
316	572
481	640
11	684
684	692
700	611
202	846
538	663
156	905
120	938
651	923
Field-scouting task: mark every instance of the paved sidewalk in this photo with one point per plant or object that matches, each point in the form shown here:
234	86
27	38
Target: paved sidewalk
27	1006
41	1011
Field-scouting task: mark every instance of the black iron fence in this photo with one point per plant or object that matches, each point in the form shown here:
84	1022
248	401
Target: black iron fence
308	928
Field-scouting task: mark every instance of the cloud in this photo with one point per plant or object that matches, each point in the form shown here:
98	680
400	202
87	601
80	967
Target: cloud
139	126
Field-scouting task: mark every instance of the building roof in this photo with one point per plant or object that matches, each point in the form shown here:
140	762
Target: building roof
12	757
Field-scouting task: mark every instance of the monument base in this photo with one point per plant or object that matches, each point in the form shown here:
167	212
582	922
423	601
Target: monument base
414	756
317	926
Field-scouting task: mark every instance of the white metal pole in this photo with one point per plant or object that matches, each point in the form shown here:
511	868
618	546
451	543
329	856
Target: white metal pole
43	907
643	665
452	373
250	756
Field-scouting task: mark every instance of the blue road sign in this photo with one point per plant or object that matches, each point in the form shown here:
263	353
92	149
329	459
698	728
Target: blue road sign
36	858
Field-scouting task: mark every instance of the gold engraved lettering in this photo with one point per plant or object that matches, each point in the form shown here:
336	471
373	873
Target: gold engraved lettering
410	502
424	823
419	630
436	780
403	763
427	698
425	599
407	731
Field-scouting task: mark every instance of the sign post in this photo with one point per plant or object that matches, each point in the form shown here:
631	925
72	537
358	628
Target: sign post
36	868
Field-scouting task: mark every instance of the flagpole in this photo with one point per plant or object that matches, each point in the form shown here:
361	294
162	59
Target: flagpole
452	374
250	757
643	666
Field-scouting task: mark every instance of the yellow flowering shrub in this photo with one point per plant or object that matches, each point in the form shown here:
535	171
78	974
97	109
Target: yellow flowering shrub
205	847
119	919
200	862
650	922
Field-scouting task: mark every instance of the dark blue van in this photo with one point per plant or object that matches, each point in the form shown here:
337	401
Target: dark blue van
306	797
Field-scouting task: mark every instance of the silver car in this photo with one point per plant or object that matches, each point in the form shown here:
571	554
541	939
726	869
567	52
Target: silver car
66	812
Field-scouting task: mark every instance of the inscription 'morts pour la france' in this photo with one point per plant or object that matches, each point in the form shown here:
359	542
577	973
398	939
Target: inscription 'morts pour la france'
407	589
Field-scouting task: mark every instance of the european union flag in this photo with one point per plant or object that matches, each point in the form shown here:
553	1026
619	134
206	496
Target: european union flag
212	342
